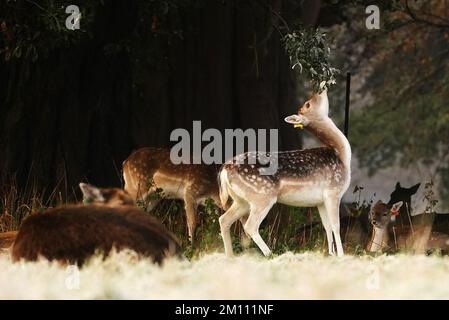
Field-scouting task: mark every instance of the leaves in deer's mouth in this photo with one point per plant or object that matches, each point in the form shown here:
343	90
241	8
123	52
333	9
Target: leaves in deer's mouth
309	51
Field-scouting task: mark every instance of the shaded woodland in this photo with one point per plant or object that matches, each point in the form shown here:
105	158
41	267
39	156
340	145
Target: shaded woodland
76	110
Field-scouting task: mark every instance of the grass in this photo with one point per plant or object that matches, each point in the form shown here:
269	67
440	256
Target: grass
280	229
298	269
294	272
308	275
17	202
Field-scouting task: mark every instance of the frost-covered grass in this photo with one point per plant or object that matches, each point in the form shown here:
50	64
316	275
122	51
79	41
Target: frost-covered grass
249	276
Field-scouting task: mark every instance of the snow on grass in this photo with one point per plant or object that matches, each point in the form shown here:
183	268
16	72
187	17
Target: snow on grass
213	276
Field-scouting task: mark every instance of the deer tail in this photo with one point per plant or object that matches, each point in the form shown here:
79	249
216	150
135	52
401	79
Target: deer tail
223	185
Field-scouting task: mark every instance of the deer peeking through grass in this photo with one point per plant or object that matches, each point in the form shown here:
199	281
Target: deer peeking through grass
148	170
417	236
305	178
394	231
73	233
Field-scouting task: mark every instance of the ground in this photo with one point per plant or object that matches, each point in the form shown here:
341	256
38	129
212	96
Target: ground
249	276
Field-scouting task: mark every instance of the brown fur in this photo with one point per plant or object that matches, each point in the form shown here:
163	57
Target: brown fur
72	234
297	165
304	178
192	183
417	236
7	239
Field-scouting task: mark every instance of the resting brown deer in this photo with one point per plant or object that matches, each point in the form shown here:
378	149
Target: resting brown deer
355	224
417	237
148	169
305	178
440	220
405	195
72	234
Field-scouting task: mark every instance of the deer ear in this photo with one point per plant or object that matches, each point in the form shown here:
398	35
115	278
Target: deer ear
414	188
398	185
395	207
293	119
91	193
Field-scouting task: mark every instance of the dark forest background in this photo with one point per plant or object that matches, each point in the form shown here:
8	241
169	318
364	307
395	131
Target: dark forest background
74	104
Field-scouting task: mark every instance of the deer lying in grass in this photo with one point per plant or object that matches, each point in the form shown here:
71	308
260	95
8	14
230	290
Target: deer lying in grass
355	224
314	177
71	234
148	169
440	220
417	236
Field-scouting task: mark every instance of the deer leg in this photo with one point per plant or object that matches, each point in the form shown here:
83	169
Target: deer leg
245	240
332	203
236	211
151	204
327	228
257	214
150	199
190	206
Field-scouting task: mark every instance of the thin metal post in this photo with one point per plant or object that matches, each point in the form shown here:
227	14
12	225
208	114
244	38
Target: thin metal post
348	94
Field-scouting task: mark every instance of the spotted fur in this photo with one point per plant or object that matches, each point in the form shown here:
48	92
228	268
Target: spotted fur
147	169
314	177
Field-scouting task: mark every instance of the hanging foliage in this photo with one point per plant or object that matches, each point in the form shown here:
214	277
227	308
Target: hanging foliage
309	51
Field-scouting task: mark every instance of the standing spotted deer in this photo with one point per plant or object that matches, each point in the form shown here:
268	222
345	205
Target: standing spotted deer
147	169
305	178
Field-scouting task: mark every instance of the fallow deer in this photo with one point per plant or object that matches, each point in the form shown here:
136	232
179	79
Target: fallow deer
356	226
403	194
72	234
417	236
313	177
147	169
440	220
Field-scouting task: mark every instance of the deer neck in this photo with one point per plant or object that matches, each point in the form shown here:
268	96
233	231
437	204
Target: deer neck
379	239
328	133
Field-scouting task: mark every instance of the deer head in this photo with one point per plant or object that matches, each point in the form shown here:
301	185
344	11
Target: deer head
111	197
314	109
403	194
382	214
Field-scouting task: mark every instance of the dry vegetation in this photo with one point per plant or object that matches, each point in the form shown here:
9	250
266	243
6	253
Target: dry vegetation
300	274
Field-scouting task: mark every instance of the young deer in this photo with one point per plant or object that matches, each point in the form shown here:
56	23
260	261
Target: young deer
440	220
417	236
356	227
71	234
147	169
314	177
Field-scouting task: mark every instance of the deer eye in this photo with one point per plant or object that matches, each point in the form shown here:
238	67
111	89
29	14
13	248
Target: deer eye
307	105
385	214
